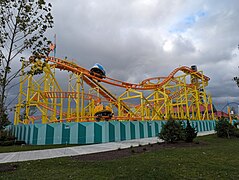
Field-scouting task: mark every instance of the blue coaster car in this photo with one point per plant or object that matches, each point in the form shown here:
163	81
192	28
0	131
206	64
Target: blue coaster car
98	70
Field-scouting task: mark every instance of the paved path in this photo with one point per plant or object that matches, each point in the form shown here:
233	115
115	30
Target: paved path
78	150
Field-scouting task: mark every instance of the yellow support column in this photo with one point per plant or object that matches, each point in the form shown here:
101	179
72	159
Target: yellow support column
29	92
69	97
82	97
142	106
186	99
78	99
46	86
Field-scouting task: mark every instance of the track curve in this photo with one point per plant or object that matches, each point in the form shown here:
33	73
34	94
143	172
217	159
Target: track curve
66	65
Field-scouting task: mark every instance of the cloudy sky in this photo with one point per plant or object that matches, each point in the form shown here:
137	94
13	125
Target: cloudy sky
137	39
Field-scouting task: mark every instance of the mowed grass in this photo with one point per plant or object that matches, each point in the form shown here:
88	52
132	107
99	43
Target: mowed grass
218	159
16	148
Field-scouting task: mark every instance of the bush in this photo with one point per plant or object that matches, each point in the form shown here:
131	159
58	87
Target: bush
190	132
224	129
6	139
20	142
6	136
172	131
7	143
236	125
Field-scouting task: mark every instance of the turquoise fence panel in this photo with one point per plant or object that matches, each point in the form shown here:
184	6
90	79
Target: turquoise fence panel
149	128
65	133
117	131
74	133
81	133
193	124
41	134
125	130
199	126
111	132
17	131
11	129
73	139
19	128
153	129
122	131
49	134
14	131
184	123
114	131
105	131
212	125
58	133
156	128
204	126
132	130
97	133
207	125
141	129
90	136
23	133
34	135
27	135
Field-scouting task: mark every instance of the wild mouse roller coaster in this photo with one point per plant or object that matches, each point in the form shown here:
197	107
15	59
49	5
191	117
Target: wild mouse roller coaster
181	95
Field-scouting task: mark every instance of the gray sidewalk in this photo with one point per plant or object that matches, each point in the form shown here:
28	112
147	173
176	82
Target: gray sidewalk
78	150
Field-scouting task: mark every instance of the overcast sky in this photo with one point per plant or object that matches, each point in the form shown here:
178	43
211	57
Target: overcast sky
137	39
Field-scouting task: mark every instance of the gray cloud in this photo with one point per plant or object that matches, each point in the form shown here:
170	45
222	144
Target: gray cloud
140	39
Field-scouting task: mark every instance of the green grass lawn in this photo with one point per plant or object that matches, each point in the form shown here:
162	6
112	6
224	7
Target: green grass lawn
219	159
15	148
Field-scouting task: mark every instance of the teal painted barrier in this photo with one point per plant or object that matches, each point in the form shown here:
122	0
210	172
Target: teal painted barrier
95	132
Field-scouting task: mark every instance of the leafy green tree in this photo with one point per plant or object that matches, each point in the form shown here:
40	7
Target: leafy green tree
172	131
23	24
190	132
236	79
224	129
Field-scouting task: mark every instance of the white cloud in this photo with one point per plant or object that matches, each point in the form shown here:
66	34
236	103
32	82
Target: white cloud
139	38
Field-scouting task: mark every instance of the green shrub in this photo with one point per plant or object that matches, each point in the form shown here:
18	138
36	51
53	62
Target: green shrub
172	131
224	129
7	143
20	142
236	133
190	132
236	124
6	136
6	139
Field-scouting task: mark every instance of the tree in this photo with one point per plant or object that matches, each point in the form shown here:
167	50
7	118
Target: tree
236	79
190	132
224	129
23	24
172	131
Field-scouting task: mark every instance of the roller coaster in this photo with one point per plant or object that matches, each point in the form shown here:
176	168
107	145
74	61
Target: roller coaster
44	99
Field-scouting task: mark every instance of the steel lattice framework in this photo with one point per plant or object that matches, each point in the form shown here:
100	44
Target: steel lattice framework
41	98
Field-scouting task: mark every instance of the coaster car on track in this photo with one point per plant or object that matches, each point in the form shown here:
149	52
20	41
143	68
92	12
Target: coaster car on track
98	71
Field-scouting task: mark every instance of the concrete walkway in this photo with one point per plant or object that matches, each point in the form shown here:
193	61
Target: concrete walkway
79	150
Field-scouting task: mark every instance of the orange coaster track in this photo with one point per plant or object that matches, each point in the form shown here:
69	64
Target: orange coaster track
175	96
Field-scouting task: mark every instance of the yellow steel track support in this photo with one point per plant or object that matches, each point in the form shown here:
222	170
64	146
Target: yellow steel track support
181	97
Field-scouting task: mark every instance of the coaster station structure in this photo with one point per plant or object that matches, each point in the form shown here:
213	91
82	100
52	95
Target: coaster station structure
43	98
